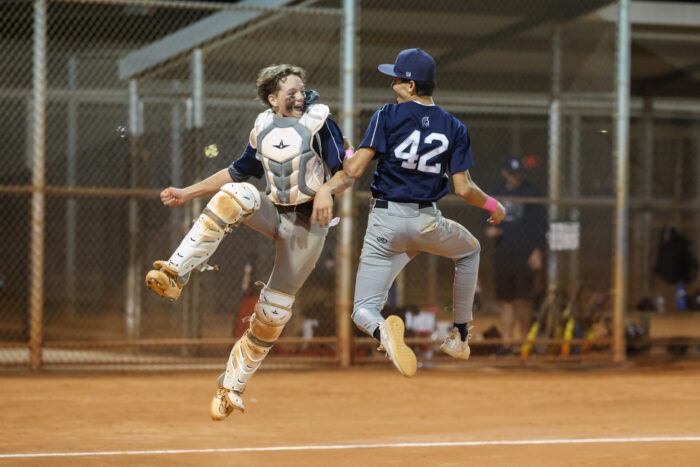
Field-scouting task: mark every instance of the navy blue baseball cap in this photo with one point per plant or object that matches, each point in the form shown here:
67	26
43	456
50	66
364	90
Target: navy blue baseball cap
413	64
514	164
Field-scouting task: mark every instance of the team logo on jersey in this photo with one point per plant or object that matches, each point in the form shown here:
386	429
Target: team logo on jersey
281	145
382	240
425	122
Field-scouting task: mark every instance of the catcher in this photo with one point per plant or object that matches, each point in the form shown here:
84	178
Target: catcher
299	151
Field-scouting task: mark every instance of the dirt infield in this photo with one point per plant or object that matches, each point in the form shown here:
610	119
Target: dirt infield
359	417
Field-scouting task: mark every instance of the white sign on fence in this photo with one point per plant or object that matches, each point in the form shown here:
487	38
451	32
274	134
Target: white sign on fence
564	236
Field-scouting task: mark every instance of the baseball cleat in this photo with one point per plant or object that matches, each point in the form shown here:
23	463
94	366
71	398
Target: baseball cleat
224	403
454	346
391	334
165	281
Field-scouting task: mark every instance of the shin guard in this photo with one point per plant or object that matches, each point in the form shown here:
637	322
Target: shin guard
227	208
272	312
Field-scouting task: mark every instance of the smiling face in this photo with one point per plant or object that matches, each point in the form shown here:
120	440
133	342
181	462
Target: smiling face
288	101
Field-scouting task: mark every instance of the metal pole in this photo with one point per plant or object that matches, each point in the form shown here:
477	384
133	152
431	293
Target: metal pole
36	298
646	194
133	295
344	277
622	88
71	181
198	88
191	324
554	146
176	178
575	184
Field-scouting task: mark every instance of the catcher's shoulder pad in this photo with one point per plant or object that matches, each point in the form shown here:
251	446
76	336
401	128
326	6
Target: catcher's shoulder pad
315	116
262	121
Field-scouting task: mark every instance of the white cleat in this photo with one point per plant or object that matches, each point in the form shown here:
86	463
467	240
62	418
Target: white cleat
224	403
454	346
391	334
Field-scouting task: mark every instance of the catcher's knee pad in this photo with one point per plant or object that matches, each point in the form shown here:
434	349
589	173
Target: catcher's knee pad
272	312
229	207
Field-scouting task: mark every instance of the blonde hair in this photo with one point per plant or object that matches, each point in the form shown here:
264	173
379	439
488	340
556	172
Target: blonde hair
269	79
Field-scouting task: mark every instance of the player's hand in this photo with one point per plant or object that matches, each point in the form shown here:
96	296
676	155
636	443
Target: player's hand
497	215
323	207
535	260
173	197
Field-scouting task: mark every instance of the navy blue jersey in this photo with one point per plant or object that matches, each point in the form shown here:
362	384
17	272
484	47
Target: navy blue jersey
330	149
416	146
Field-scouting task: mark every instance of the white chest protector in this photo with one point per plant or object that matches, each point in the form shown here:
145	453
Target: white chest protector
293	169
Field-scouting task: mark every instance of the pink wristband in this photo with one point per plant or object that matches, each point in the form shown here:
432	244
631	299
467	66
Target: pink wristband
349	153
491	204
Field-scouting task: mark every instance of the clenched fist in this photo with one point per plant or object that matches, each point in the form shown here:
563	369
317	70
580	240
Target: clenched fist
173	197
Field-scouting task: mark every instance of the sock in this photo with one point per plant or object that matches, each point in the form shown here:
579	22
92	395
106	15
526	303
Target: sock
375	334
463	331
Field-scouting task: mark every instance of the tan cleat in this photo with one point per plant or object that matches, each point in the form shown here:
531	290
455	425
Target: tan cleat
165	281
454	346
224	403
391	334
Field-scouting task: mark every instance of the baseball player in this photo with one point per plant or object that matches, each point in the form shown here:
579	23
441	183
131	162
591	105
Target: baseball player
299	150
415	143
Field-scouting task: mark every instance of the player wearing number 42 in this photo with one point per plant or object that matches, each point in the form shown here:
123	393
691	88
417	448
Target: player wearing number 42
415	143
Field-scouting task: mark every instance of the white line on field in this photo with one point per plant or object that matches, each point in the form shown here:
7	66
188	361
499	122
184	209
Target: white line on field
527	442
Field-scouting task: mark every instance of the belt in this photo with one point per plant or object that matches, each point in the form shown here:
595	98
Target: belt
384	204
304	208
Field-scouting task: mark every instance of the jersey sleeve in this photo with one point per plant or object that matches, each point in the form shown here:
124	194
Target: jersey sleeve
461	159
246	166
331	149
375	136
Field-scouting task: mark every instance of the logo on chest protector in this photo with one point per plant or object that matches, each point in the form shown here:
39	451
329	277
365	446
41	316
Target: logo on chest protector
281	145
382	240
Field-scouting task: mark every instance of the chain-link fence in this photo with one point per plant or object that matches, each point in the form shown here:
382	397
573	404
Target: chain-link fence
144	94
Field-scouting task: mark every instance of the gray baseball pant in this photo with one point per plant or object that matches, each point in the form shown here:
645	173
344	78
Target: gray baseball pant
298	245
394	236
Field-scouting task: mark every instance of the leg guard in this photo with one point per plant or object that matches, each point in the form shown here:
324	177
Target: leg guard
229	207
272	312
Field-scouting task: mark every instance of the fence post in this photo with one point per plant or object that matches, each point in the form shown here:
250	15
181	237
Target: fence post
133	291
343	305
72	181
554	148
622	90
36	299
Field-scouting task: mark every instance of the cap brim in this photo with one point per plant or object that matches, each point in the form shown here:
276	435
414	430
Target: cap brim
388	69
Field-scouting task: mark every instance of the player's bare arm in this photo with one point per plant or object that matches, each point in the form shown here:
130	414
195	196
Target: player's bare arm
355	165
174	197
470	192
323	201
